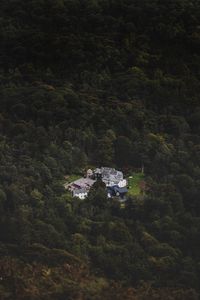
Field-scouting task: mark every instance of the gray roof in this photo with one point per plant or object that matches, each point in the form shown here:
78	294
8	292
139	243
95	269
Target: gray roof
121	190
79	191
116	188
97	170
111	174
84	182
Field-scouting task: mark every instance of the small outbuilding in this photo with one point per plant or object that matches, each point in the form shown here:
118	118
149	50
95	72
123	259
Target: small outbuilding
116	191
80	193
89	173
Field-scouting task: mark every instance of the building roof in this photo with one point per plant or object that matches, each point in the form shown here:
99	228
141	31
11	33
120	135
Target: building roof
117	189
79	191
122	190
111	174
84	182
97	170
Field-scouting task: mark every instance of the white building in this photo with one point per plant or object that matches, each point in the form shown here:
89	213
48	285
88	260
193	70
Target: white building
80	193
89	173
111	177
122	183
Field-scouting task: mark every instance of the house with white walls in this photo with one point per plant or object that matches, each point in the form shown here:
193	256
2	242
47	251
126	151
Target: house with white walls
110	176
113	179
80	193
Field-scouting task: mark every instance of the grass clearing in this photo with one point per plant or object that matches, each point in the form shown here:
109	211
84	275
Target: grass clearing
73	177
134	182
68	180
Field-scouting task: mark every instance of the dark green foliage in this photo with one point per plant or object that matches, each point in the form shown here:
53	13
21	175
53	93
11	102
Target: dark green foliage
101	83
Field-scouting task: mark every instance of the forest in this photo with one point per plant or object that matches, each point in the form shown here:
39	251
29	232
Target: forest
99	83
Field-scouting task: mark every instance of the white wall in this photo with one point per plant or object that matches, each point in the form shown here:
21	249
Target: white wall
122	183
82	195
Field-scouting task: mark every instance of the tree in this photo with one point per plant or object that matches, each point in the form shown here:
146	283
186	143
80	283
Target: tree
106	148
98	195
123	151
2	201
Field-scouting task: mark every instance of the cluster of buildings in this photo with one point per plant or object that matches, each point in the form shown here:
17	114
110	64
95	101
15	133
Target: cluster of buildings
114	180
80	187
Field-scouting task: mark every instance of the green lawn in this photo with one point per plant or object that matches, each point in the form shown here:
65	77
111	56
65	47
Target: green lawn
73	177
134	181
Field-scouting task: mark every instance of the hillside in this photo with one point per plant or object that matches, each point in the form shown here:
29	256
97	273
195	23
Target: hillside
99	83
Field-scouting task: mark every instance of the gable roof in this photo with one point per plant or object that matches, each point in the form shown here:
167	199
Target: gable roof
117	189
111	174
79	191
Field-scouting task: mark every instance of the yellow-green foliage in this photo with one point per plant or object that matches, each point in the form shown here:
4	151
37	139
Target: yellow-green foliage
73	177
134	182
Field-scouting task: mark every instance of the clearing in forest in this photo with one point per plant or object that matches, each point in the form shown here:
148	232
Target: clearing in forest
136	184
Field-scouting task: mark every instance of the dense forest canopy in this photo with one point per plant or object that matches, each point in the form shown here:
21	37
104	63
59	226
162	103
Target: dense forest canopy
99	83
